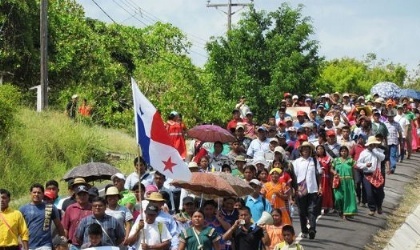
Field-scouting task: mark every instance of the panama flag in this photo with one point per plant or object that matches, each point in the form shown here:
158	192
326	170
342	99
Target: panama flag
154	140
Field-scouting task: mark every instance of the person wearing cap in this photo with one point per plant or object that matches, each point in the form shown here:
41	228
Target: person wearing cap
39	218
236	118
140	166
281	114
394	138
369	161
73	184
295	100
158	200
238	168
269	156
332	147
296	150
75	213
256	202
71	107
184	216
120	213
148	233
127	199
283	143
260	145
114	233
243	107
176	130
347	105
378	127
301	116
243	140
358	173
307	169
406	131
16	226
277	191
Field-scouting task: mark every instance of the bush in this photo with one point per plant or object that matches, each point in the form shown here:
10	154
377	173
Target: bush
9	102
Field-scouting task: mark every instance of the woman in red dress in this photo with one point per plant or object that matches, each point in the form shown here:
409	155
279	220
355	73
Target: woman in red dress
176	130
326	181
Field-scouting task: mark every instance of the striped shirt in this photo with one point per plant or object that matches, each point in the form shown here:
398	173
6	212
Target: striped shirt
113	231
394	129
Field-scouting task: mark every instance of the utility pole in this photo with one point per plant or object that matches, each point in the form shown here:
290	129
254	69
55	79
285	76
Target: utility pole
229	12
43	36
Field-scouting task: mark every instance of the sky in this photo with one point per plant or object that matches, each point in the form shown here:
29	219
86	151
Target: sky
344	28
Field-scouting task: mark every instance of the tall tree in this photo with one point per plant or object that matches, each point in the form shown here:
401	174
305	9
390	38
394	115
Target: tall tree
265	56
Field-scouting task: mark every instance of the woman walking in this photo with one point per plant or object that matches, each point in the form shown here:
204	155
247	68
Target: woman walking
344	194
326	180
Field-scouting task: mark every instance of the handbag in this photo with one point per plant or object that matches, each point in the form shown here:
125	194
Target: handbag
376	179
302	188
336	181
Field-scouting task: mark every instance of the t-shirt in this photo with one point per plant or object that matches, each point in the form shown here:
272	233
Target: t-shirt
127	198
249	240
121	213
35	216
152	233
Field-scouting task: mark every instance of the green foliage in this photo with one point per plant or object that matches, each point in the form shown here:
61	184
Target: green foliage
264	56
46	145
9	101
351	75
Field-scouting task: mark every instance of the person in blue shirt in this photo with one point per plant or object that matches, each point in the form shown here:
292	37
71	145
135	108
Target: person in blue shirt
256	202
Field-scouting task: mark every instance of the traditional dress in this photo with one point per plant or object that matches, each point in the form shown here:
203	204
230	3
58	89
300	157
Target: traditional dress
345	197
176	134
206	237
275	235
269	191
326	182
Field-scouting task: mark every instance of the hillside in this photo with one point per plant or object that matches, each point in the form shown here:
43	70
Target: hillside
43	146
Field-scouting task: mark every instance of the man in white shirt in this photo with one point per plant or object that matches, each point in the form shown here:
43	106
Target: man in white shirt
154	235
141	167
243	108
369	160
308	169
404	123
260	145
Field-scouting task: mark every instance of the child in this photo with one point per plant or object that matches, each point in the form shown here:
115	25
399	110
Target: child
95	236
289	240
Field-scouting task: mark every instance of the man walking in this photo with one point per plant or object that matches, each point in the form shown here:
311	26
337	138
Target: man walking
38	217
12	225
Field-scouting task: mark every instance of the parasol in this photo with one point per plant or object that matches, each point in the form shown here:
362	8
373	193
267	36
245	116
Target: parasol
92	171
386	90
211	133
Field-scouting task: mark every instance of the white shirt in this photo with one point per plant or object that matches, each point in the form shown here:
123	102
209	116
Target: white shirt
133	179
150	234
375	157
404	123
305	168
258	146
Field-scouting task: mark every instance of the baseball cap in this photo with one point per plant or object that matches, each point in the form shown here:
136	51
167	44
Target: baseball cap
291	129
240	126
118	175
346	95
330	132
151	209
288	119
295	97
81	188
255	181
303	137
262	128
249	113
301	113
187	200
274	140
287	94
328	118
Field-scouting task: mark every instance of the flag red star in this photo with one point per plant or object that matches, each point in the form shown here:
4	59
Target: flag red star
168	165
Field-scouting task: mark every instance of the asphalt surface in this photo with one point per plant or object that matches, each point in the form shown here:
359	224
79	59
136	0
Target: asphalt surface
335	233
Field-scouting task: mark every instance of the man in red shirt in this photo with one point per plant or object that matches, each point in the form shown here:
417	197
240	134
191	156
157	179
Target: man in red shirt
236	117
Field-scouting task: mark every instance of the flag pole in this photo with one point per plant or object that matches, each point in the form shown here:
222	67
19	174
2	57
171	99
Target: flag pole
140	198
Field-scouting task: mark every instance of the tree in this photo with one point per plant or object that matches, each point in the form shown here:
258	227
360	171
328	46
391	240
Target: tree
263	57
351	75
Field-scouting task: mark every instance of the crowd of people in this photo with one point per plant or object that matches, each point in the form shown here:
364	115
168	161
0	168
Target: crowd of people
327	155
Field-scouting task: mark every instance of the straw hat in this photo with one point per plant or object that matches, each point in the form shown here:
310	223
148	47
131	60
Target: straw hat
306	144
112	191
372	140
155	196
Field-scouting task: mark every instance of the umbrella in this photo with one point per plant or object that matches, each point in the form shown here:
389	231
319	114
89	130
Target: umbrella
211	133
241	187
386	90
92	171
210	184
410	93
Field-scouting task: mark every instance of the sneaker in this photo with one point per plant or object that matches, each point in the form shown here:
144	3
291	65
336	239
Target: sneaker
312	234
371	213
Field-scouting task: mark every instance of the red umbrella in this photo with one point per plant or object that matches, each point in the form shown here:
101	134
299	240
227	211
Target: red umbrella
211	133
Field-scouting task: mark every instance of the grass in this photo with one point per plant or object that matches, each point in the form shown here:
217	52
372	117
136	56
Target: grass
43	146
408	203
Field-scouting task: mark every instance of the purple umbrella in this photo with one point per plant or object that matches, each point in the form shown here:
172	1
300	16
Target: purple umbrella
211	133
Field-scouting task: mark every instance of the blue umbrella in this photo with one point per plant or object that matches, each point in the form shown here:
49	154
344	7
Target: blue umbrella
418	95
410	93
386	90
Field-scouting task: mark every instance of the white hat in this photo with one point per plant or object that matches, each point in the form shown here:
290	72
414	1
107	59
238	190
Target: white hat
255	181
346	95
308	125
274	139
260	160
295	97
118	175
329	118
74	96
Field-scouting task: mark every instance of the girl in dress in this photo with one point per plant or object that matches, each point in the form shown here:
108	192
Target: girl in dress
326	180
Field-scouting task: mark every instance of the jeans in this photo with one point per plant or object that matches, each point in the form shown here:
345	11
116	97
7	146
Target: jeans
393	156
360	188
375	196
308	210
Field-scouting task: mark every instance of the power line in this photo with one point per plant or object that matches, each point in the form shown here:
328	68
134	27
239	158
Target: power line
103	11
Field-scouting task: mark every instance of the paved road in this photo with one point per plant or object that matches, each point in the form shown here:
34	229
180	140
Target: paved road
336	233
